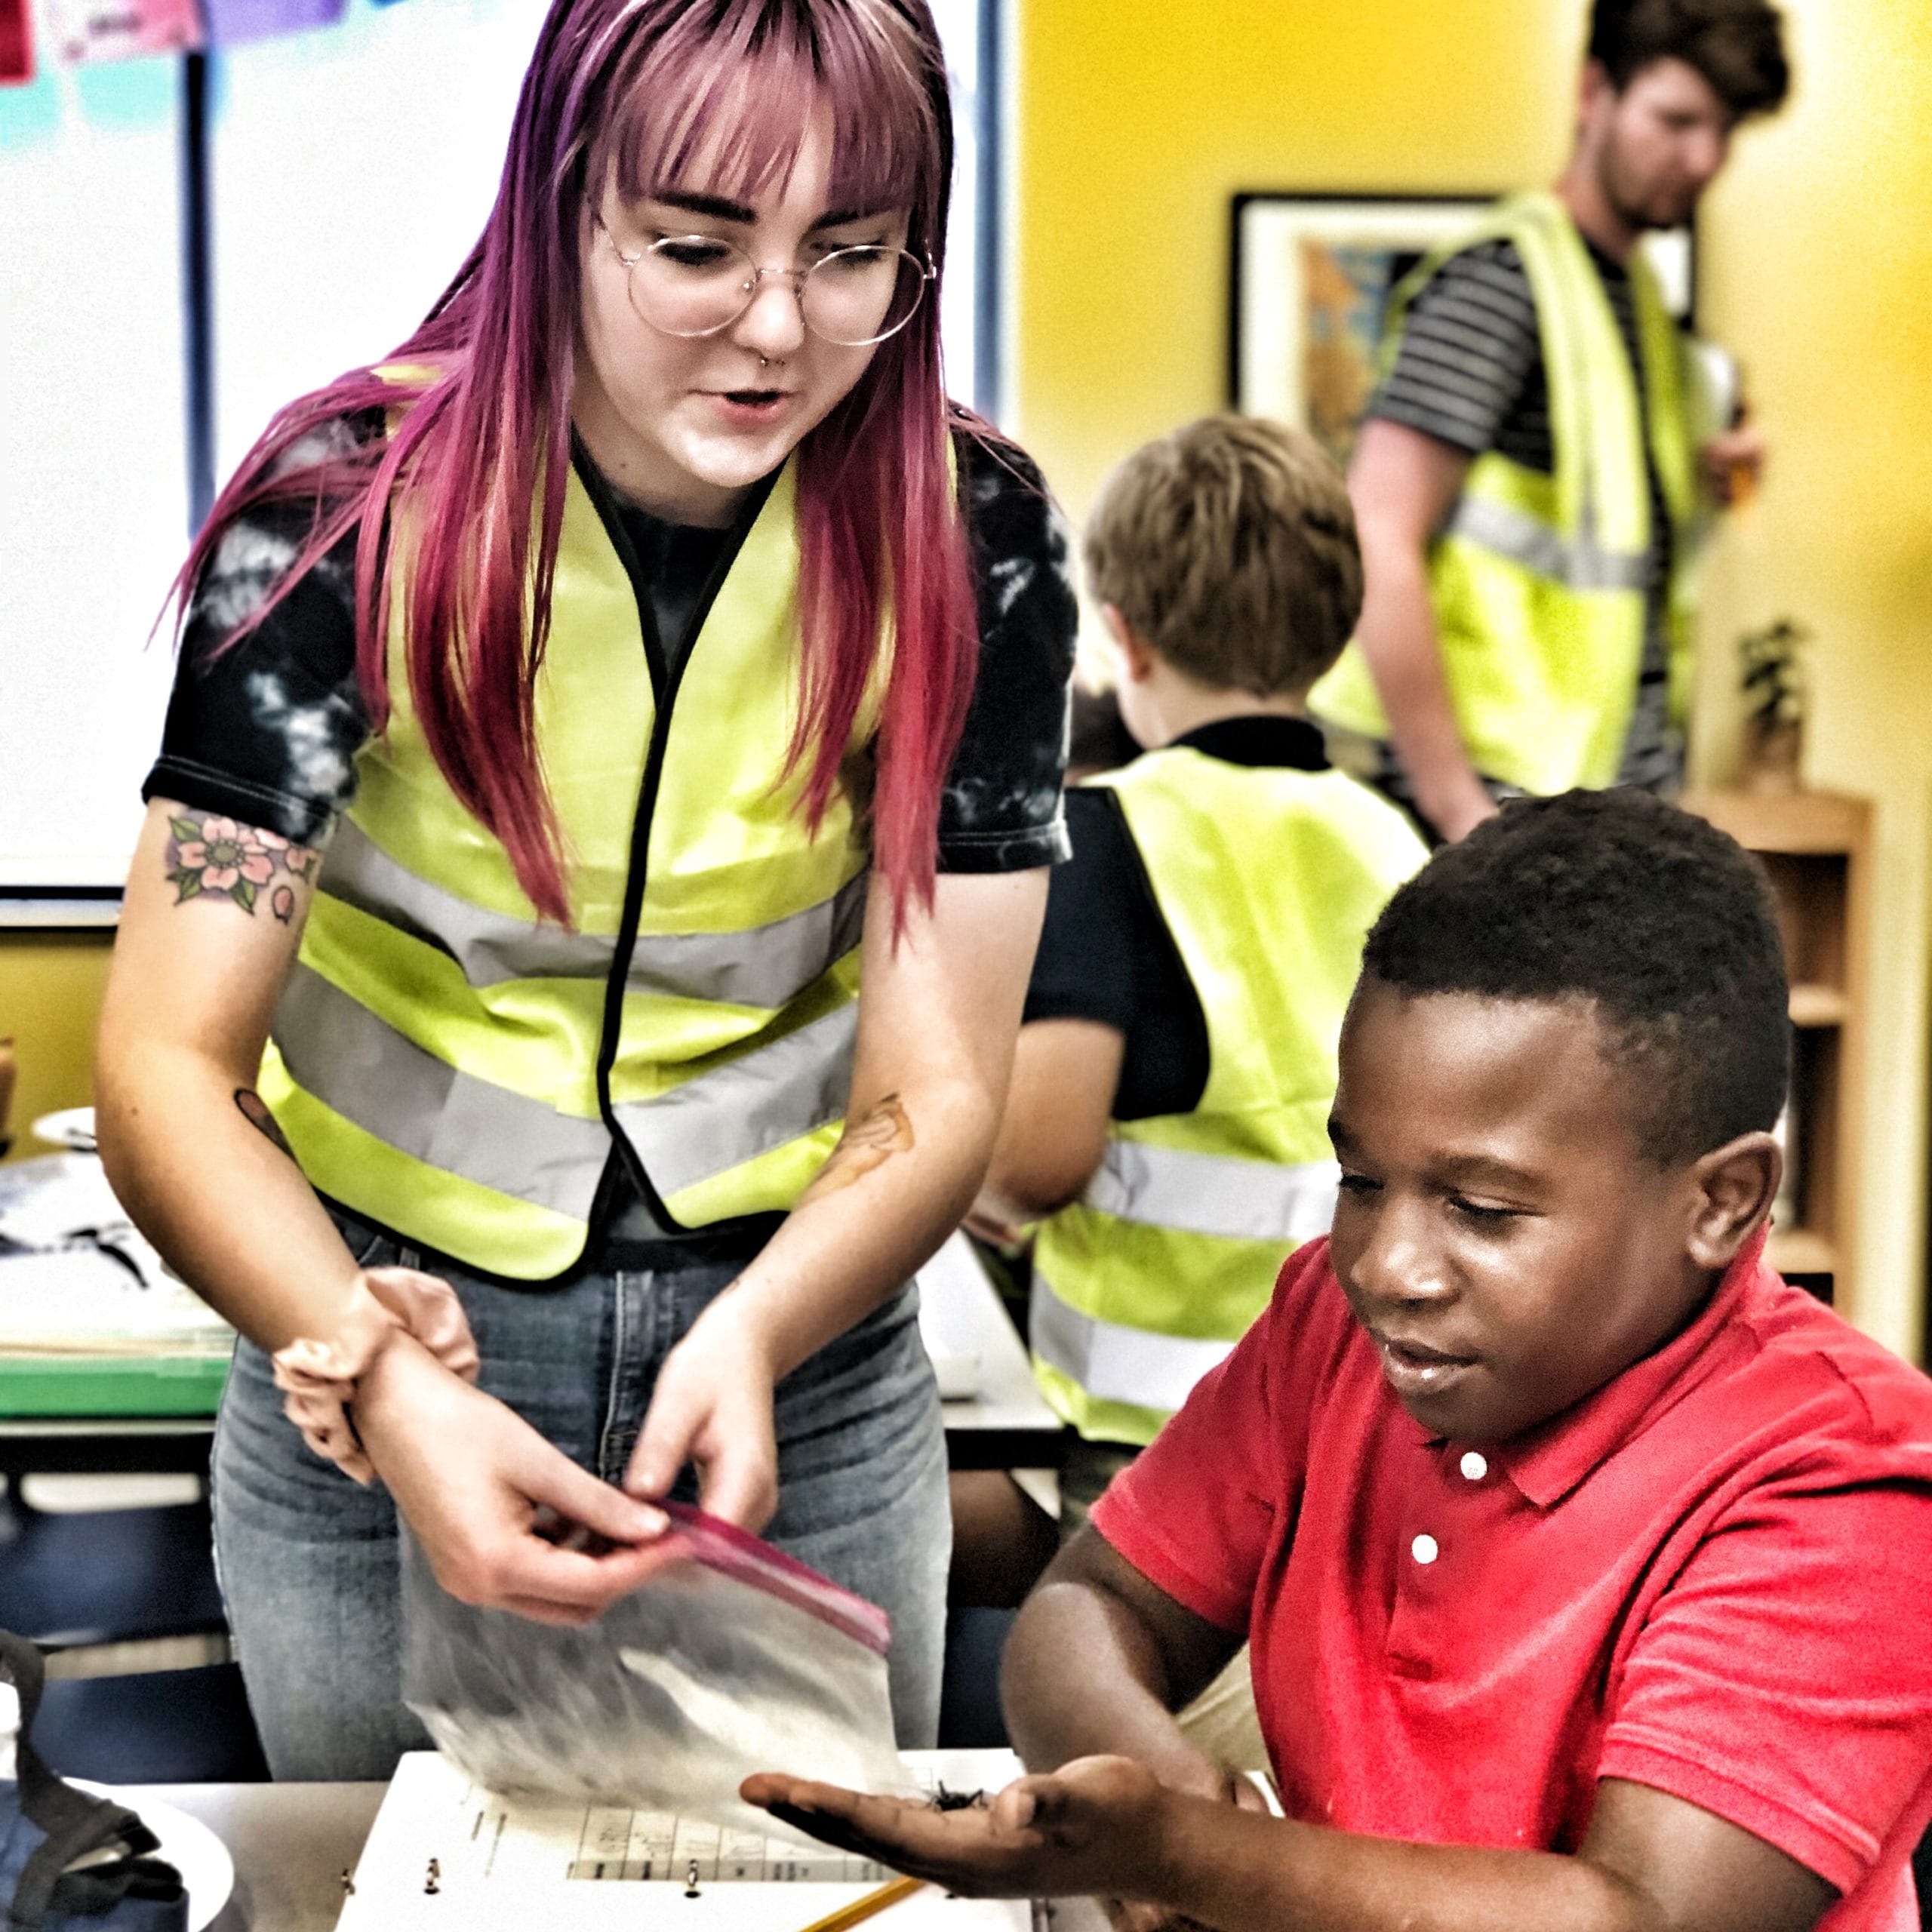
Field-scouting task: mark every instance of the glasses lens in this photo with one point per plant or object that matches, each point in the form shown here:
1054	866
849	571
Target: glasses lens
691	284
856	295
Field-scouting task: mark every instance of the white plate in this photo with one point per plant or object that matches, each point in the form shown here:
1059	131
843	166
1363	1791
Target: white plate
202	1859
72	1127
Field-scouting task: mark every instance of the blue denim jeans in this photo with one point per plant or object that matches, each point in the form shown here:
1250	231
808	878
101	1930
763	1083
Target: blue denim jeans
309	1562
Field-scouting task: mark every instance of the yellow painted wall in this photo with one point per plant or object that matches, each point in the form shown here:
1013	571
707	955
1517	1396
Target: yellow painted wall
1136	120
50	986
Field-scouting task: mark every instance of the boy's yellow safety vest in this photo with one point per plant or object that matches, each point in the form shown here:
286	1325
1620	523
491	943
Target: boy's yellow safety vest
1537	582
452	1069
1269	879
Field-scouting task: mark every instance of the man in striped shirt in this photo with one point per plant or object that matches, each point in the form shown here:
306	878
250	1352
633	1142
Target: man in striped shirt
1665	83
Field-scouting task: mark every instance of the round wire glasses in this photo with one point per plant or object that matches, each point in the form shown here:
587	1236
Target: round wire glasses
698	284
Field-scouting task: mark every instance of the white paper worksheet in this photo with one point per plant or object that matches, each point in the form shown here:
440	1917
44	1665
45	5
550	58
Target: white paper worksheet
509	1865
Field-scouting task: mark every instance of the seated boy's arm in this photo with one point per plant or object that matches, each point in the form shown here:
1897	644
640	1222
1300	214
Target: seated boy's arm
1100	1659
1105	1826
1054	1131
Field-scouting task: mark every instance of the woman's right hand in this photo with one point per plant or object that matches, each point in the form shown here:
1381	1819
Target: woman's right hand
479	1486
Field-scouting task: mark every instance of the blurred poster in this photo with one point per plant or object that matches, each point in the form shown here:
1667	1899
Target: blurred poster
1345	292
15	43
231	22
83	30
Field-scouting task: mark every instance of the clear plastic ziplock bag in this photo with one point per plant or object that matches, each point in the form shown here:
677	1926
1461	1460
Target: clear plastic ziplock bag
734	1658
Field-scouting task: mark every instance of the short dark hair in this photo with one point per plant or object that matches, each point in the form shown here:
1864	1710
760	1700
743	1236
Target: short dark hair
1663	923
1737	45
1229	547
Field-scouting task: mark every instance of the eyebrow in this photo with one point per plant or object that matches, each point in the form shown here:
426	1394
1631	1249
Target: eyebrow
1459	1167
716	208
1478	1168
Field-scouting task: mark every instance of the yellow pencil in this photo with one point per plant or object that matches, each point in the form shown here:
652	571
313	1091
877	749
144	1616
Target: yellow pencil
864	1908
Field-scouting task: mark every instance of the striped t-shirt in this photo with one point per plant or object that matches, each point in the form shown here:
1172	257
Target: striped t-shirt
1469	372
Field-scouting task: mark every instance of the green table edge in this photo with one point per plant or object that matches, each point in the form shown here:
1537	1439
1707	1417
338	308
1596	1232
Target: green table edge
91	1385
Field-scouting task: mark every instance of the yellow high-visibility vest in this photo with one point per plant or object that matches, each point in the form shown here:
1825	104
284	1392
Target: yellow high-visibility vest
448	1066
1537	582
1269	879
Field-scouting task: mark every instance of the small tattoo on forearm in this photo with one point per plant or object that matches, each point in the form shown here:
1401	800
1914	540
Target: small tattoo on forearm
867	1144
213	857
255	1111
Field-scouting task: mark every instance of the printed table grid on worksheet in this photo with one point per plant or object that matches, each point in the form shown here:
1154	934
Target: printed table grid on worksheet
616	1842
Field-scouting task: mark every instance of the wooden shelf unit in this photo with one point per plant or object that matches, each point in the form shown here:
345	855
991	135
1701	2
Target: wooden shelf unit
1816	848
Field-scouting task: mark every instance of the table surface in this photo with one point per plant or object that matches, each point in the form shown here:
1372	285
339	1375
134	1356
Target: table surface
959	1304
292	1843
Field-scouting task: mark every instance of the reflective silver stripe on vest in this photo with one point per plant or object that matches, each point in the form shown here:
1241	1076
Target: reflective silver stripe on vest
761	1100
367	1072
765	966
1117	1364
769	966
1209	1194
1577	562
490	947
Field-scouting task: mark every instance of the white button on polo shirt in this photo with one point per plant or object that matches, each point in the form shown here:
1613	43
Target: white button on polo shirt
1474	1466
1424	1550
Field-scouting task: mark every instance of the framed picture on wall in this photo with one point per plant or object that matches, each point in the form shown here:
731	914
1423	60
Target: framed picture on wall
1312	275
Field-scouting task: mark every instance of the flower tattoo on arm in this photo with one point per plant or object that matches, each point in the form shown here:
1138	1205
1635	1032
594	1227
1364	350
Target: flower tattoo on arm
212	857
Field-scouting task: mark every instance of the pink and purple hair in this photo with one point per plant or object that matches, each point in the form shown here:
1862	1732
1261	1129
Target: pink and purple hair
633	92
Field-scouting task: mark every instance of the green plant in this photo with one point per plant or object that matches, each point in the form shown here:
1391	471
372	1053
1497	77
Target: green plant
1774	682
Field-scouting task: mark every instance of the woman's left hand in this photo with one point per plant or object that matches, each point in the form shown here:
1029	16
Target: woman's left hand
712	1407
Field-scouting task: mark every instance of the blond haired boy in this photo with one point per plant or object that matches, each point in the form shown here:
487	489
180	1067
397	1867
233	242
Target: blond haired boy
1166	1125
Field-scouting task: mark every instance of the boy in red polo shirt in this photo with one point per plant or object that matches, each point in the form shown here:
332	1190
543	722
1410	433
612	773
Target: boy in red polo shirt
1584	1561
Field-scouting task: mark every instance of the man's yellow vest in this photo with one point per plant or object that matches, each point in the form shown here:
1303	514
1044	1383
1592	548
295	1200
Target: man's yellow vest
1538	582
1269	879
449	1066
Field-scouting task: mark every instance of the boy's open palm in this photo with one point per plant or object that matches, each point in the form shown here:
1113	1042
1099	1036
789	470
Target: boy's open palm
1089	1827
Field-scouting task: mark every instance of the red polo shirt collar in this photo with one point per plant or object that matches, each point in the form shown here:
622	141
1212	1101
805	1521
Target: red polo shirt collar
1545	1463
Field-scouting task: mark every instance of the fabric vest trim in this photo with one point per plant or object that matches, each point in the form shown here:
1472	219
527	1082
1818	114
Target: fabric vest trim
1107	1362
1203	1194
1537	583
449	1066
785	955
1268	879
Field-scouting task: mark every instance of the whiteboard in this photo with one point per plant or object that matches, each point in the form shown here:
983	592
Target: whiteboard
94	501
351	171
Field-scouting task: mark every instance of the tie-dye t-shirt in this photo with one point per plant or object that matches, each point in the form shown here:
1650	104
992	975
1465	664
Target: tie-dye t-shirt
267	733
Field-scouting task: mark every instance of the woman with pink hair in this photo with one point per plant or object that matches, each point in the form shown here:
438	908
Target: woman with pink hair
569	975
